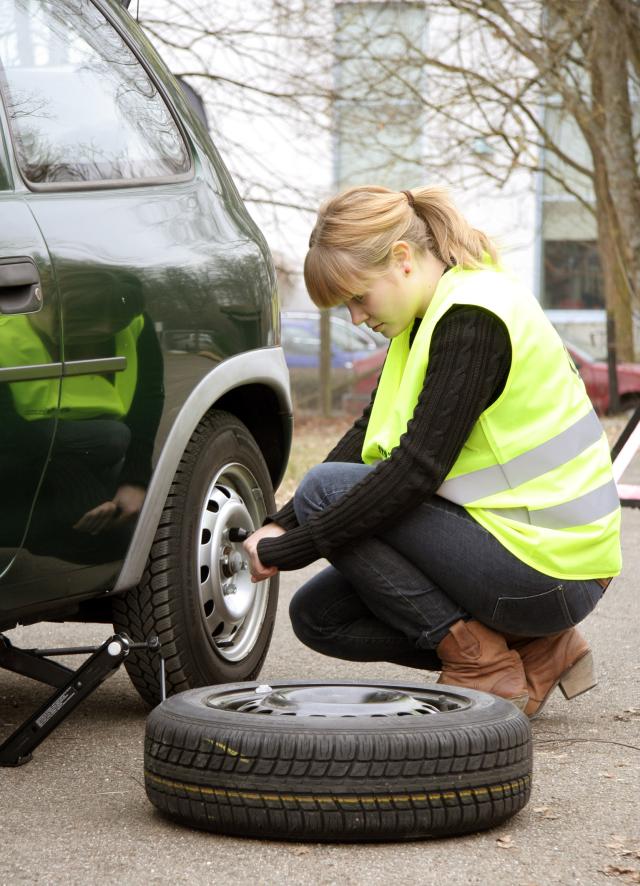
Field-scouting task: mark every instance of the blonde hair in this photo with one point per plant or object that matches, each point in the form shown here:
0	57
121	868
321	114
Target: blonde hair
355	231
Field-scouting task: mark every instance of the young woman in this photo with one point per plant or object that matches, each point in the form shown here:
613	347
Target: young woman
470	515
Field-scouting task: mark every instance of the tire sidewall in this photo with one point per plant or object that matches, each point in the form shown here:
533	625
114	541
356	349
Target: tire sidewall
231	443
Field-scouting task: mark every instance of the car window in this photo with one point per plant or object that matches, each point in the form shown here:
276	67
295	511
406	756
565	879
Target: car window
304	335
299	338
80	105
349	338
341	338
363	341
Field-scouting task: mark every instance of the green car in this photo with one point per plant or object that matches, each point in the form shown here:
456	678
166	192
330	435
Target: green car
145	409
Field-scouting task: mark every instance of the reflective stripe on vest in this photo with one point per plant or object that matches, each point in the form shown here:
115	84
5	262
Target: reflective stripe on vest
586	508
537	461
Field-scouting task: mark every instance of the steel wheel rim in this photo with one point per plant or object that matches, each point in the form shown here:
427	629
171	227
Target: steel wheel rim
363	701
232	608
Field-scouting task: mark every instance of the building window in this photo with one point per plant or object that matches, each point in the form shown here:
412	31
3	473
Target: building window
571	270
572	274
379	117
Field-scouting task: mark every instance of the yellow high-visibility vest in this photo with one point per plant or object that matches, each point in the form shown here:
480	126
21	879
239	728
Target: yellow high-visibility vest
83	396
535	470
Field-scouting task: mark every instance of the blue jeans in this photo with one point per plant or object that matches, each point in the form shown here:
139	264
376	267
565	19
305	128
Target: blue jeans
394	596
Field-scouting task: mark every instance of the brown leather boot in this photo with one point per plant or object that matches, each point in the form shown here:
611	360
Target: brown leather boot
563	660
476	657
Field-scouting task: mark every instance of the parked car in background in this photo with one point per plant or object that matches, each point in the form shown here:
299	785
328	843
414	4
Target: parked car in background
144	398
595	374
357	355
584	333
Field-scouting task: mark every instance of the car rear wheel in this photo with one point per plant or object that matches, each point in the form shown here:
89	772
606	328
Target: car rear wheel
196	593
304	760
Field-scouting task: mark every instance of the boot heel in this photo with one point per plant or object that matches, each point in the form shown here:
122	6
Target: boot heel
579	678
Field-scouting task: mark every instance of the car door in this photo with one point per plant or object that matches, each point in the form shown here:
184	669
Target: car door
30	371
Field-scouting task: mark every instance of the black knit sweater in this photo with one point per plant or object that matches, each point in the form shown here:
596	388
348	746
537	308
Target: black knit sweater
469	361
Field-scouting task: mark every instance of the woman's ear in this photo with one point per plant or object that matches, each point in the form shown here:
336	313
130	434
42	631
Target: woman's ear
401	252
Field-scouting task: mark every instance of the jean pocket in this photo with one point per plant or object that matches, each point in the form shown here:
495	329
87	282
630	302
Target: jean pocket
545	613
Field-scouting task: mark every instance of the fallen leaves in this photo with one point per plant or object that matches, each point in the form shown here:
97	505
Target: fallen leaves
623	871
546	812
299	850
629	875
505	842
627	715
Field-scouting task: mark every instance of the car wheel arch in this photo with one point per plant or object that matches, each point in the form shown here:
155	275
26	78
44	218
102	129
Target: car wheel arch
248	385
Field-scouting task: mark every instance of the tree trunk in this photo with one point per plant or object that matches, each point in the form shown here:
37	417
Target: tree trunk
616	298
610	71
325	363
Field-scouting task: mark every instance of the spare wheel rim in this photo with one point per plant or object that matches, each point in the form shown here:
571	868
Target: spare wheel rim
362	700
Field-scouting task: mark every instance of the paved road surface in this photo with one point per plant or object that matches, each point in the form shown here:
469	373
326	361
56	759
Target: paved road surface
78	812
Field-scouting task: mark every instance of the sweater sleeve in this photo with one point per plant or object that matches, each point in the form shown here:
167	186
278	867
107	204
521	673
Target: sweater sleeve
469	360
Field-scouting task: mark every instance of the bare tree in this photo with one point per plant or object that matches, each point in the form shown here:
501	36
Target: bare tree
580	59
491	85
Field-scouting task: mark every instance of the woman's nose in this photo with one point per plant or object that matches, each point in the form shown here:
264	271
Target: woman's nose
358	313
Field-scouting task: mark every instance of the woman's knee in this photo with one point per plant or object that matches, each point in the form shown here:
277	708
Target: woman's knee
308	497
297	612
322	605
323	484
301	610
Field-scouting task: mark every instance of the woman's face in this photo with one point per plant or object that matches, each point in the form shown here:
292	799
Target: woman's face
391	302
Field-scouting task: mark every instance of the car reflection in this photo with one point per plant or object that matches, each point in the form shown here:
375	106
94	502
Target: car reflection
95	429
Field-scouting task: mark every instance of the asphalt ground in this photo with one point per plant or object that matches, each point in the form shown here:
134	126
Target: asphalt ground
78	813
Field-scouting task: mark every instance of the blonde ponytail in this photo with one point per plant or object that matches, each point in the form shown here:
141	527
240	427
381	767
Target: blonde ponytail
355	231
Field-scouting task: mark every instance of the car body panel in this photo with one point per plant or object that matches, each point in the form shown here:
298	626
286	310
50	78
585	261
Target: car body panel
168	297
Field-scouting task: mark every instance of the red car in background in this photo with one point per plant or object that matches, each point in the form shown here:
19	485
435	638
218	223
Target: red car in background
585	337
595	374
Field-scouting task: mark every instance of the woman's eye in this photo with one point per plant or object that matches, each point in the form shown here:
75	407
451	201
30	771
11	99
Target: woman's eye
358	298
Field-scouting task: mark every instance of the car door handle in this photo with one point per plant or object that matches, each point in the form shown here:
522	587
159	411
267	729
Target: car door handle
20	287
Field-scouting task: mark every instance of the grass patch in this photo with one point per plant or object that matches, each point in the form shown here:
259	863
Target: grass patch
313	439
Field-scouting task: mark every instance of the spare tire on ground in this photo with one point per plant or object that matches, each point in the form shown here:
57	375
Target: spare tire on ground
307	760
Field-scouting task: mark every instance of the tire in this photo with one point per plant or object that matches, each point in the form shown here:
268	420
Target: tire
303	761
214	625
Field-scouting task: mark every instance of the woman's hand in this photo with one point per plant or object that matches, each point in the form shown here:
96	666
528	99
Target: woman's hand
125	507
98	519
128	501
258	571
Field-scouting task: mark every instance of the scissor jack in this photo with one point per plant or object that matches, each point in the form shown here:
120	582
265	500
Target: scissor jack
72	686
